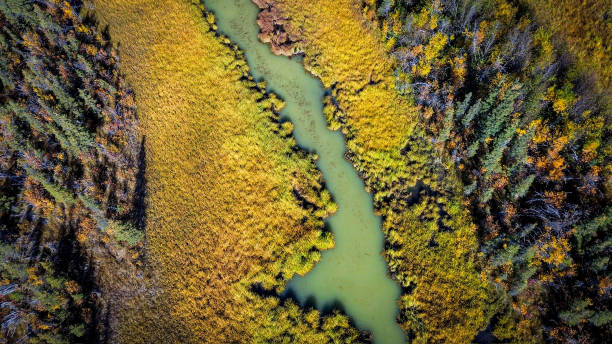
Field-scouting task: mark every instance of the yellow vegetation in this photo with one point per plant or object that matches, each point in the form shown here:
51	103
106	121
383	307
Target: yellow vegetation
448	302
342	50
221	213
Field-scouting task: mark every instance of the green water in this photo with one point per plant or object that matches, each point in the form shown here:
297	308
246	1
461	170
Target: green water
353	273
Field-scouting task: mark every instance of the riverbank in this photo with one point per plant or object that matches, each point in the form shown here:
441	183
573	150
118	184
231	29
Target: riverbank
430	240
352	276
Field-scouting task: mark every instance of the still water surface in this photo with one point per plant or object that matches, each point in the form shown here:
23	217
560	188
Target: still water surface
353	273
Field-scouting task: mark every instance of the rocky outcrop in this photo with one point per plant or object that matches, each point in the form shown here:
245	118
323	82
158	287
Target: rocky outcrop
274	29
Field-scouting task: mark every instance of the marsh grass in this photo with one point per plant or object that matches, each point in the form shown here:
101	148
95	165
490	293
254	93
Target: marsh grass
222	178
430	240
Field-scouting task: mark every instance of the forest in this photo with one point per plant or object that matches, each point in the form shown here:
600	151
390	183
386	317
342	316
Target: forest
151	192
70	166
525	123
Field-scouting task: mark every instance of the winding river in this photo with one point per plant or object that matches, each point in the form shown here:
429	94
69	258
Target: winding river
352	275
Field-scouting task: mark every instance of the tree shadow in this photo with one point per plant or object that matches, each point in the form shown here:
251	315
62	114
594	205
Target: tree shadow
140	190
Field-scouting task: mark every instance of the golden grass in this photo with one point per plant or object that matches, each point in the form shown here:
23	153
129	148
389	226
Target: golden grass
221	209
449	299
343	51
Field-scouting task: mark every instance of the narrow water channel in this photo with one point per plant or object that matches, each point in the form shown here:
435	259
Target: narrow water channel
353	273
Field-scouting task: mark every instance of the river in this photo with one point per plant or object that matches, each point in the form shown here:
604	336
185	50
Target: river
352	275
